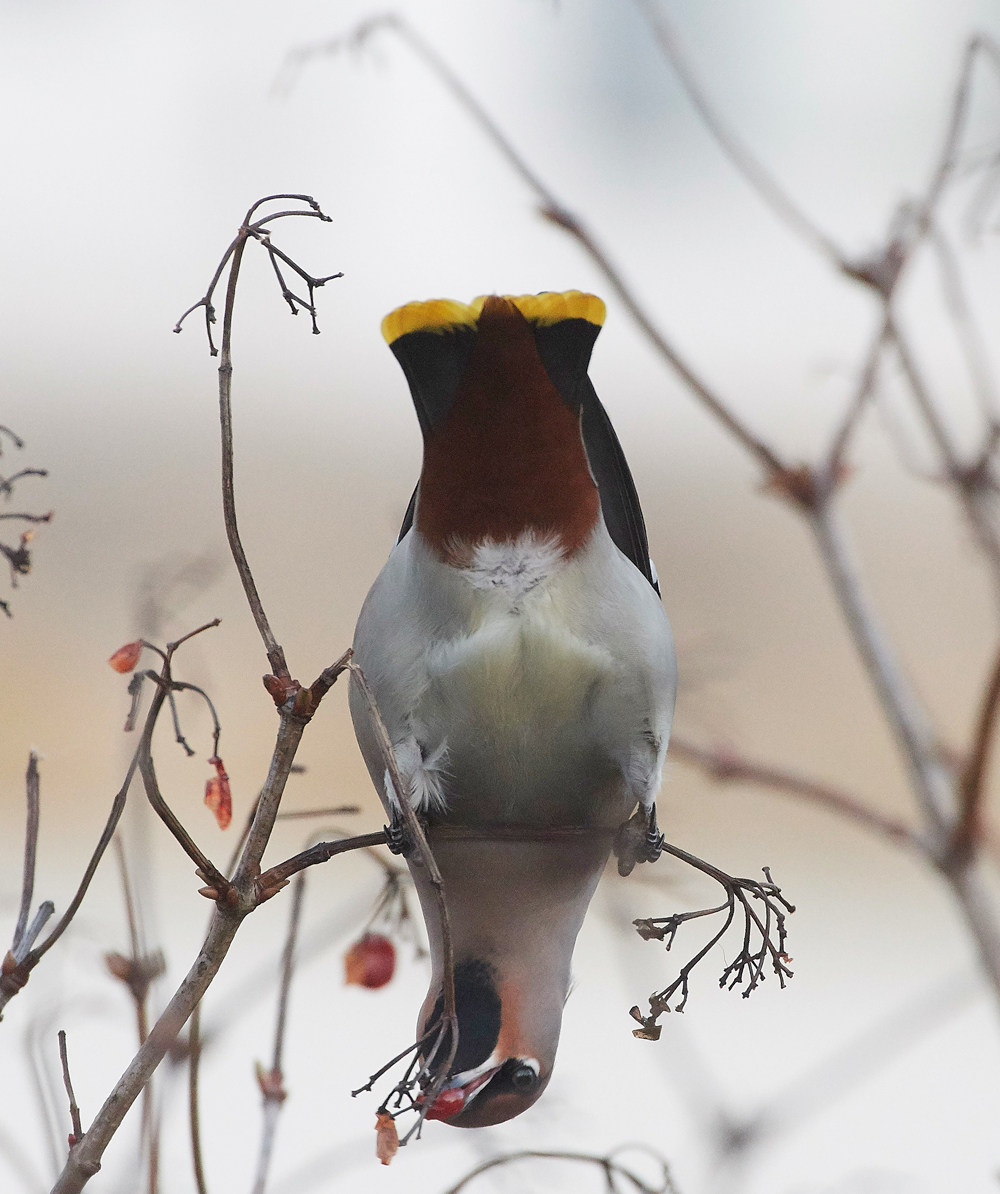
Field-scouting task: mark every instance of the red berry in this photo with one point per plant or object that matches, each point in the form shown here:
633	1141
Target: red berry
448	1103
370	962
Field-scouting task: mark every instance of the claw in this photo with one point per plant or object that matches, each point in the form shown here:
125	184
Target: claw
654	839
397	836
638	840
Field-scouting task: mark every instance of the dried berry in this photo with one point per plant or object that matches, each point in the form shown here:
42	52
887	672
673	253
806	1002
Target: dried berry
218	796
387	1141
125	658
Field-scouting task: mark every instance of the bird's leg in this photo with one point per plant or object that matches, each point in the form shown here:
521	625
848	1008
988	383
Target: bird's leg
397	836
638	840
654	839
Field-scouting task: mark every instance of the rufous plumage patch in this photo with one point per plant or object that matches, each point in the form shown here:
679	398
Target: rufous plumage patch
508	457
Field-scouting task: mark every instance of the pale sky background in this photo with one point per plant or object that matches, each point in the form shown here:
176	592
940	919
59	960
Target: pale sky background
133	139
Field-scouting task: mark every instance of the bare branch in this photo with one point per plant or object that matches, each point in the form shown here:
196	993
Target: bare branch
234	257
447	1028
30	517
973	783
753	171
272	1082
906	716
835	463
749	964
13	980
608	1164
971	483
729	767
552	210
205	867
30	850
970	338
14	438
74	1110
7	483
273	880
194	1119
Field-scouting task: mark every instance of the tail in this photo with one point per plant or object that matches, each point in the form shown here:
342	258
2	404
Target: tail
448	350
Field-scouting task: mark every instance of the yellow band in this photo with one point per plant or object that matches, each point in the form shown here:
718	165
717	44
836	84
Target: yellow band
441	315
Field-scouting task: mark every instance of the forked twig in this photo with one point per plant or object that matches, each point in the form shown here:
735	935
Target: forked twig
18	965
256	230
241	894
766	919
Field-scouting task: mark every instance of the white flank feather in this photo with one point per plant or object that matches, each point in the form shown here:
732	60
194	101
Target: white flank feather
424	776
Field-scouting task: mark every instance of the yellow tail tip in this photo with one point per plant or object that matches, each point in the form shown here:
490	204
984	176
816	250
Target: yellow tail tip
443	315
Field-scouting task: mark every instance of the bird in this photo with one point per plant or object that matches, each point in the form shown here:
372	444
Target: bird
522	662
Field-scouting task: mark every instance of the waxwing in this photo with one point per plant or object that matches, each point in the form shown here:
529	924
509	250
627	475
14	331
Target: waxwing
523	665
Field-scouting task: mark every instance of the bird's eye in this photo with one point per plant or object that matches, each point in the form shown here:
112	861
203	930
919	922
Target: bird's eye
524	1077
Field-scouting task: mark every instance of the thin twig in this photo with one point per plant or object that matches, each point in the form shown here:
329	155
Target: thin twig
729	767
234	258
971	483
235	899
137	972
194	1119
277	877
272	1082
835	458
906	715
608	1164
970	338
13	981
749	964
74	1110
972	787
303	813
147	769
14	438
448	1026
753	171
29	517
31	785
554	211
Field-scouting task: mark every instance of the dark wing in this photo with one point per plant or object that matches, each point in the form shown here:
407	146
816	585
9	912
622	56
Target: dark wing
434	363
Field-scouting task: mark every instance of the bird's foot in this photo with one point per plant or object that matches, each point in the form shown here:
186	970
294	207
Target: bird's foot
397	837
638	840
654	839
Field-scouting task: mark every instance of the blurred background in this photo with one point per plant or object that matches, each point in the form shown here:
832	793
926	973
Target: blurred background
134	137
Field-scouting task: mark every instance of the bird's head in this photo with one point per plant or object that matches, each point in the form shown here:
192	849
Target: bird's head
515	908
506	1046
